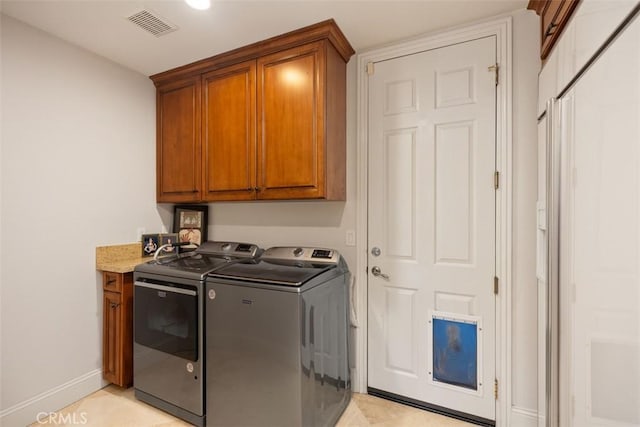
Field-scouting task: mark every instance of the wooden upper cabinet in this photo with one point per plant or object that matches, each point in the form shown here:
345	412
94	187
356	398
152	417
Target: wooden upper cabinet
271	117
179	177
229	132
302	108
554	15
290	108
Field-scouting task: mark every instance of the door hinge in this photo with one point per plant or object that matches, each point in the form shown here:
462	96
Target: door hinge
495	286
495	389
370	69
496	180
496	69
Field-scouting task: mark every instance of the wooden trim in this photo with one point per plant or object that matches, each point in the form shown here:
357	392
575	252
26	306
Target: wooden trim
536	5
322	30
335	165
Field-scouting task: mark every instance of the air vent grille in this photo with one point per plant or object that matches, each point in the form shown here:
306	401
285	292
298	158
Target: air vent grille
151	22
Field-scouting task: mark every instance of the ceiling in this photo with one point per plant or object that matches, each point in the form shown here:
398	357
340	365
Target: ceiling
102	27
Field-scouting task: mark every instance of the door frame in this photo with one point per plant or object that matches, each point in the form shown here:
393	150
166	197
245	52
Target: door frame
501	28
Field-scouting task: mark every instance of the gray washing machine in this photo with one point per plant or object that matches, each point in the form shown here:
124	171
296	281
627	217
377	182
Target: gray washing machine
277	340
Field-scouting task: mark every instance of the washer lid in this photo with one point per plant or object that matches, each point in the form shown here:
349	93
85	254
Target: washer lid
190	265
278	272
197	264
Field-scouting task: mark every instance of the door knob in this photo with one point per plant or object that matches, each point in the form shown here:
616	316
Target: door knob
378	273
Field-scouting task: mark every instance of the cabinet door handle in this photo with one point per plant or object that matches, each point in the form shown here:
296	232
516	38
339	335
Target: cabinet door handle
111	281
114	305
551	29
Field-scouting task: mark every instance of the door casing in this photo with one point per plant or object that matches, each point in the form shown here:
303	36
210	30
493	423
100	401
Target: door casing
502	29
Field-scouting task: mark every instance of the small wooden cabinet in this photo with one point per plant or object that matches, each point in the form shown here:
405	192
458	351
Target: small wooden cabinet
117	339
554	15
267	121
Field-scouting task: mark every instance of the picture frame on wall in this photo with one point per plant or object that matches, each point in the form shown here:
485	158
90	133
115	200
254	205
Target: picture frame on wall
190	223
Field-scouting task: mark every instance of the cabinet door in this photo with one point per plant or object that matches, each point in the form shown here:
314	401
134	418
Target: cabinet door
291	116
179	176
229	133
111	338
554	15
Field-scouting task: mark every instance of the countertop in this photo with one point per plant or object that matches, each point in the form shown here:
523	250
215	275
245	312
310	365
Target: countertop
120	258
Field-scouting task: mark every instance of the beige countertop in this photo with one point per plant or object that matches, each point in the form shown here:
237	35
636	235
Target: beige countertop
120	258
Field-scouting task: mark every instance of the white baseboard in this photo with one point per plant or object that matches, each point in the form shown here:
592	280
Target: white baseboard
25	413
522	417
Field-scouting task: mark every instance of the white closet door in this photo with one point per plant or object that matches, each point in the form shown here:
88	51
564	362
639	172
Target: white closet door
600	253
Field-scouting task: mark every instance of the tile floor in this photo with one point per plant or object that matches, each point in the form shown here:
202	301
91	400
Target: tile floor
115	407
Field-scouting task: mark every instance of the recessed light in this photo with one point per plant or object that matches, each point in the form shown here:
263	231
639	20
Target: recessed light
199	4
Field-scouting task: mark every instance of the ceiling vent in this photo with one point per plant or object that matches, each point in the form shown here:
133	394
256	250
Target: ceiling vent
152	23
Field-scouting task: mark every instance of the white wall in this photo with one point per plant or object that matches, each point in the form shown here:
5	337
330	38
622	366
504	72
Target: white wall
77	171
526	65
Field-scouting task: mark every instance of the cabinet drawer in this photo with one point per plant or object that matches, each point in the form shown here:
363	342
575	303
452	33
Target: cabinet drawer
112	281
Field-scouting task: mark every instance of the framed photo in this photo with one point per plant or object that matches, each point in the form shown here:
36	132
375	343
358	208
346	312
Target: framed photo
190	223
167	239
150	243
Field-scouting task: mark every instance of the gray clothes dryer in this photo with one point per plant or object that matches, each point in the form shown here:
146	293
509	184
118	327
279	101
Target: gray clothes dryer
277	340
168	347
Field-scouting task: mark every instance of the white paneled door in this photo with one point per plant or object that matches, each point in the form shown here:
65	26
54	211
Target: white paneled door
432	160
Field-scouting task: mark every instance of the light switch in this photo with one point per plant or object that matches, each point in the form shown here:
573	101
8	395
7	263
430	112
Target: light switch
350	239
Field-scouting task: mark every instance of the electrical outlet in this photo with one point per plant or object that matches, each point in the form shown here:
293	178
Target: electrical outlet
350	239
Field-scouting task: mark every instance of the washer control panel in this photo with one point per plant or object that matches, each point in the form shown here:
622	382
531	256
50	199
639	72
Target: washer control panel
313	255
234	249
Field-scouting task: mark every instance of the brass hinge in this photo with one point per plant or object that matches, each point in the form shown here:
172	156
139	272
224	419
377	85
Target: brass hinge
496	69
496	180
370	69
495	286
495	388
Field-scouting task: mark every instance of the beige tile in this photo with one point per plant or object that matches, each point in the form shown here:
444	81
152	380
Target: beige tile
117	407
353	416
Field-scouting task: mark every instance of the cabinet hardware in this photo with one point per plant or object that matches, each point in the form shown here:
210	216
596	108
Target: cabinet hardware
114	305
551	29
111	281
